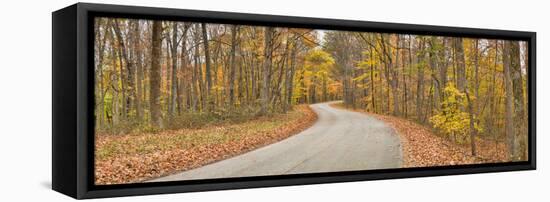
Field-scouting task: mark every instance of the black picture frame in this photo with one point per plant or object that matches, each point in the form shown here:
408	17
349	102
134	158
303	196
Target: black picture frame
73	103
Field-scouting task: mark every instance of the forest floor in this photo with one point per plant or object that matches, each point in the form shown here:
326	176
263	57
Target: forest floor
424	148
133	158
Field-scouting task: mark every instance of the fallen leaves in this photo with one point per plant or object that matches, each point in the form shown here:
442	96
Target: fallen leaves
138	157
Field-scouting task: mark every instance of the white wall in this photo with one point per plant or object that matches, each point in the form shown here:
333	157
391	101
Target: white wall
25	99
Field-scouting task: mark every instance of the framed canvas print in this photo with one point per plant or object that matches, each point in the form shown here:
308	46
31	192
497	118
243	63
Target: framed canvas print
155	100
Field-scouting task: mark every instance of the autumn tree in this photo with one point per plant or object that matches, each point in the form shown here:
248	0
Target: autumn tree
317	66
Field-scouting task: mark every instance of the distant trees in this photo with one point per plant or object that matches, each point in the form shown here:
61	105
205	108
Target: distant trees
153	73
464	88
340	45
317	66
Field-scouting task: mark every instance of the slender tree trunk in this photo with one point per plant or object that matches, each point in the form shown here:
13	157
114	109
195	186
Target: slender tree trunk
511	137
493	104
290	75
200	92
167	71
253	82
395	78
102	39
184	72
434	65
242	80
443	68
420	83
174	79
404	78
232	66
113	117
476	72
123	88
411	44
473	130
139	72
373	90
386	59
196	90
205	41
129	79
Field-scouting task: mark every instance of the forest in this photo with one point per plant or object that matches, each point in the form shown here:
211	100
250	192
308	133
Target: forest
153	76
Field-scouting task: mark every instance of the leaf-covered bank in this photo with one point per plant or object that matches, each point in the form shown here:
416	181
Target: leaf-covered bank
138	157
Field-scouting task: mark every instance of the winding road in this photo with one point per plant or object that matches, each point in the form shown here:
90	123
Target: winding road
340	140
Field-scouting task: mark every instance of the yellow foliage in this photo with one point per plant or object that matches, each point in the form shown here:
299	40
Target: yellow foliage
452	120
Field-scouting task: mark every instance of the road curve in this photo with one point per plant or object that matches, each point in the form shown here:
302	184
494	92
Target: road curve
340	140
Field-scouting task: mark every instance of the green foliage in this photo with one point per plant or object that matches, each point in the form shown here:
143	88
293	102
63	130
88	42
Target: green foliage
452	120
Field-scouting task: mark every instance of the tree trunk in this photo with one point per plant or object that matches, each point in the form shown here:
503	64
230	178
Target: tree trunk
184	71
443	68
232	66
154	87
268	45
174	79
420	83
509	124
517	85
290	76
129	80
205	41
461	65
100	109
395	78
167	71
373	90
253	81
113	117
404	78
139	72
492	96
434	66
473	130
200	92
